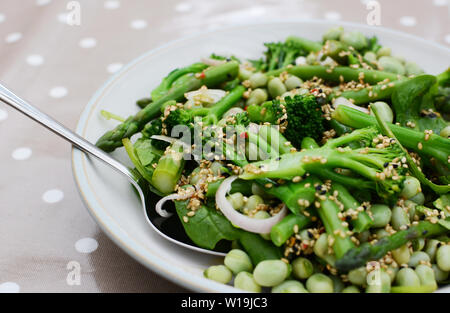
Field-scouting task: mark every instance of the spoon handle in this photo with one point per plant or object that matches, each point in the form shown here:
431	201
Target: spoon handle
8	97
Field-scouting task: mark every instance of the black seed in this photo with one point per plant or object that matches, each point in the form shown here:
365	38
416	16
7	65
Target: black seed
278	159
386	164
432	115
319	187
229	75
228	59
323	192
310	235
395	165
424	232
439	244
350	227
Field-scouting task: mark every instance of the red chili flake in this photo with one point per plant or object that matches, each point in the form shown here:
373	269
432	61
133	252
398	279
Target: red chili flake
314	90
202	75
304	246
243	135
245	108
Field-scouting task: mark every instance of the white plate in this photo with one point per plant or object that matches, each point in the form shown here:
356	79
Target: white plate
109	197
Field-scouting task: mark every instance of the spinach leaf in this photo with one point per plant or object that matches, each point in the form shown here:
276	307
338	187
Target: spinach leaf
413	103
207	227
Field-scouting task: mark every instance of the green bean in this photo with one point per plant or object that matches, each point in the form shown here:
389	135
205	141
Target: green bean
258	249
307	72
390	64
431	248
319	283
276	87
302	268
304	43
333	33
407	277
270	273
219	273
384	110
356	39
417	258
293	82
411	187
257	97
237	200
358	276
285	228
258	80
426	276
401	255
400	218
439	274
380	283
246	282
351	289
381	215
443	257
238	261
290	286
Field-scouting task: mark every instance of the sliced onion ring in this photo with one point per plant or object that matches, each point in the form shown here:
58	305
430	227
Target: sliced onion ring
253	225
159	206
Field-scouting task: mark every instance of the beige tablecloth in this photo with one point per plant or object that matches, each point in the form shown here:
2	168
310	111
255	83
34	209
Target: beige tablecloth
46	235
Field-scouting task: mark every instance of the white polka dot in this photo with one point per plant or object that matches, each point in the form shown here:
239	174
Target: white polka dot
408	21
138	24
53	196
9	287
114	67
333	15
58	92
440	3
13	37
2	17
447	39
87	43
3	115
22	154
35	60
111	4
86	245
183	7
42	2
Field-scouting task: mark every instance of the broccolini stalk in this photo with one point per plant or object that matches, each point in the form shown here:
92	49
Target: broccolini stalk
434	146
211	77
168	170
334	226
305	44
362	221
276	140
441	189
359	256
307	72
369	163
282	231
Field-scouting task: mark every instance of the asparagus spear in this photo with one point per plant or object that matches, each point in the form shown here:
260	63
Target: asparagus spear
169	168
359	256
211	77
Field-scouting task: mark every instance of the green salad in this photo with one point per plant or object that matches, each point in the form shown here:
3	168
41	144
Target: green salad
324	164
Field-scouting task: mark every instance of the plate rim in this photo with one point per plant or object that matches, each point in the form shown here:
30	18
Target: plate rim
128	244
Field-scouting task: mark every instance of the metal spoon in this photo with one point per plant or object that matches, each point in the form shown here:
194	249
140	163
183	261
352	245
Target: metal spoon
158	223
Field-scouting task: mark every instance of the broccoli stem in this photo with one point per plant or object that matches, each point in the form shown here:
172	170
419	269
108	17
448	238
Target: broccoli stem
359	256
369	94
226	103
213	76
168	171
283	230
328	213
307	72
276	140
363	220
258	248
305	44
436	146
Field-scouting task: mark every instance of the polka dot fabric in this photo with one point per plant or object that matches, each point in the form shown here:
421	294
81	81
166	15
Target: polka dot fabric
44	228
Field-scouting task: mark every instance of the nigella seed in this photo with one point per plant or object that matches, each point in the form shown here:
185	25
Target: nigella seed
228	59
319	187
432	115
386	164
278	159
395	165
229	76
310	235
424	232
323	192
